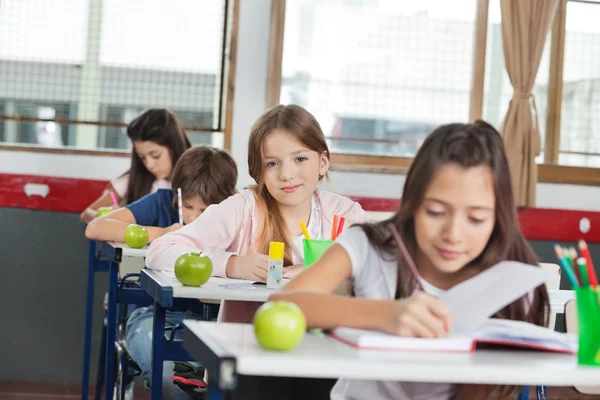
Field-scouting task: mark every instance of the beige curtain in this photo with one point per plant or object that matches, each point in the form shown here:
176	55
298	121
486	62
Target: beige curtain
525	25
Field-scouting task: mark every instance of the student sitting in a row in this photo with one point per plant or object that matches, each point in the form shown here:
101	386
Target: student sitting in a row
287	157
458	218
158	141
205	176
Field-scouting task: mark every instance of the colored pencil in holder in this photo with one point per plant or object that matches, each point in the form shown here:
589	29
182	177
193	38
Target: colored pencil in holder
585	252
565	265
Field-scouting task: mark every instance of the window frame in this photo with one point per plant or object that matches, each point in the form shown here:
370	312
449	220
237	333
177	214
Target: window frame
548	172
228	67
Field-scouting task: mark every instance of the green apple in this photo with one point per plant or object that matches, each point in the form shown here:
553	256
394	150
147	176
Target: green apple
193	269
279	325
136	236
103	211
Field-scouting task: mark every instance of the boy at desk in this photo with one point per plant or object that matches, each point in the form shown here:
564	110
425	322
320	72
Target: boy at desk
205	176
457	218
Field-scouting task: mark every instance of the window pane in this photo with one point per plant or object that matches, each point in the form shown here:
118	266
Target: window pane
379	75
498	90
43	30
105	61
580	113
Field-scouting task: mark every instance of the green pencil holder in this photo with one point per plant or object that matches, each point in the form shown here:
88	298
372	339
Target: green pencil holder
588	321
314	249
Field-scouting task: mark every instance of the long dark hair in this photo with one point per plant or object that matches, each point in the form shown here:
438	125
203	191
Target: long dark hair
162	127
467	145
301	124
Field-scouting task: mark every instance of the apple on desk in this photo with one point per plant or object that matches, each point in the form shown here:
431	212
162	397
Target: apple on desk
136	236
103	211
279	325
193	269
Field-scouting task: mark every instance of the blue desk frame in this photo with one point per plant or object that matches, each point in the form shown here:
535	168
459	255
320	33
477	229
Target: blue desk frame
166	349
106	259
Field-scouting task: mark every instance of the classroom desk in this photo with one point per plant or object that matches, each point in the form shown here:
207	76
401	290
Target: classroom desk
230	349
104	257
165	289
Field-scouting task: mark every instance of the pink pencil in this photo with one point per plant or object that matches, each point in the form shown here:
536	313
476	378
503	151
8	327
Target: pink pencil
114	199
411	264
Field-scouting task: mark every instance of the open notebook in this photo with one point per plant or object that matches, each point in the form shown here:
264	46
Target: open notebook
493	331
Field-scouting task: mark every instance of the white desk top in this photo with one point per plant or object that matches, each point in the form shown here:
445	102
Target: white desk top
214	289
324	357
127	251
237	289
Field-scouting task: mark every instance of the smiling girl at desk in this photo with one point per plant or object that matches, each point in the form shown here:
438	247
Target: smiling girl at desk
287	157
457	217
158	141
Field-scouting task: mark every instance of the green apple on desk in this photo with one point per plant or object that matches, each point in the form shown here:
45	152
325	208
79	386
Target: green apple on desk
279	325
136	236
103	211
193	269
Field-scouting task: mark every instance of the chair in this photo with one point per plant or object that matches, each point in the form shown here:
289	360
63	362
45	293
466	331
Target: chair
572	327
552	284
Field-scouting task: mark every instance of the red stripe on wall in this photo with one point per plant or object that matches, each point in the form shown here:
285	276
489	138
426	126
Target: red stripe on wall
63	194
73	195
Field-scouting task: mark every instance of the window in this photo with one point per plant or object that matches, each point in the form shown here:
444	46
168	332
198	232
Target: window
104	62
498	90
379	75
580	109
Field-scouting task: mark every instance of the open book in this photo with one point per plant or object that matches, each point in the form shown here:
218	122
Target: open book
493	331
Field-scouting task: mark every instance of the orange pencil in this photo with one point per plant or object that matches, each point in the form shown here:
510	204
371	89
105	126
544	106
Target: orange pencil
334	227
585	252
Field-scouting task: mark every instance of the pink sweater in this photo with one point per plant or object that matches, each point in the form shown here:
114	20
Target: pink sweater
229	228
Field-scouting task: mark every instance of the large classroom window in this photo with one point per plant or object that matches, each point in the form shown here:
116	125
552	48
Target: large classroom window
580	111
381	74
75	72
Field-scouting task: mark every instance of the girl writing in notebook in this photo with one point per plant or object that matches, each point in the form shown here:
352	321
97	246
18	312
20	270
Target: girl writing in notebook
158	141
457	218
205	176
287	157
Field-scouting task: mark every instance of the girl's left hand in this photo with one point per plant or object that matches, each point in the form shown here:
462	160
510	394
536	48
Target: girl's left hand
292	271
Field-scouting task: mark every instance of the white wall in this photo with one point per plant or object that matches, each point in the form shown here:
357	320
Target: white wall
249	102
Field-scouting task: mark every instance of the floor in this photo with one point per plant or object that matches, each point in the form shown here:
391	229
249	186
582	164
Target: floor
10	390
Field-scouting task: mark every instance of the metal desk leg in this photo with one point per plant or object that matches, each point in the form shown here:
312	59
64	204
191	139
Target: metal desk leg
214	392
524	395
158	337
111	328
89	310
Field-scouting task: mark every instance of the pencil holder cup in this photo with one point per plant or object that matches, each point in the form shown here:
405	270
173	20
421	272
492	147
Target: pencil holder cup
314	249
588	320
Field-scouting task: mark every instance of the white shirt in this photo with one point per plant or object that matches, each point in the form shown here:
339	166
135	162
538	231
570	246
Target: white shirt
374	277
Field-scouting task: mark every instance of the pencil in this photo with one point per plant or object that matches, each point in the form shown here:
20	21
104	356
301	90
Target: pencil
340	227
304	230
584	275
572	256
411	264
585	252
114	199
334	227
180	205
564	263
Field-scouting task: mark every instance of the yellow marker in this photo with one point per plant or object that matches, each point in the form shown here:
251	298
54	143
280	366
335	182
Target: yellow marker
304	230
275	265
